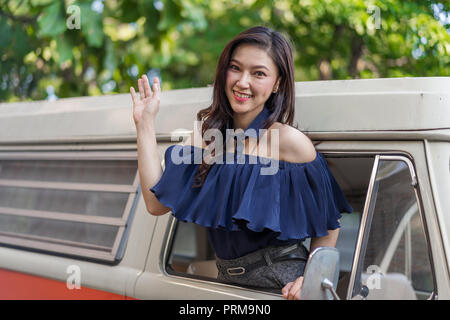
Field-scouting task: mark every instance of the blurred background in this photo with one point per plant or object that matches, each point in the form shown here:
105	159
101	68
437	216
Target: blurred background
52	49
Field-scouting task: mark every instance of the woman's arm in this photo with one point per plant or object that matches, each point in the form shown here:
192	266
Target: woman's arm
291	291
145	109
325	241
149	166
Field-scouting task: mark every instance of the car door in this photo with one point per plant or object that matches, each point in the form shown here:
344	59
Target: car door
393	257
181	263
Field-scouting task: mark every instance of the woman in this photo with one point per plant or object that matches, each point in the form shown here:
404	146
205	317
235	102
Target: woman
256	223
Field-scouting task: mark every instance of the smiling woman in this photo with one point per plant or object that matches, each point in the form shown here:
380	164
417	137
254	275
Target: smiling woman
250	83
256	222
257	62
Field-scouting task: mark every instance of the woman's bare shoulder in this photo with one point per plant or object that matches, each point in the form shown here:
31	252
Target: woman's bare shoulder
294	145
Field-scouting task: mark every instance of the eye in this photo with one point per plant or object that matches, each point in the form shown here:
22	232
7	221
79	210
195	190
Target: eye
260	74
233	67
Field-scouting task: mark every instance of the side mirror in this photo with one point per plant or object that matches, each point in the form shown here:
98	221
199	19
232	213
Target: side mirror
321	275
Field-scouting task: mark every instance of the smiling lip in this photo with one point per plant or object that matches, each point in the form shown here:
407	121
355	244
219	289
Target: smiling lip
239	98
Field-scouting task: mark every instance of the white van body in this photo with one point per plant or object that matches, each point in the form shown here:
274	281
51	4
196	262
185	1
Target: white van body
378	118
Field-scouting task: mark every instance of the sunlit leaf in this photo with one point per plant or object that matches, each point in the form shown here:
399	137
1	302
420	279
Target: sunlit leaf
51	22
91	25
64	49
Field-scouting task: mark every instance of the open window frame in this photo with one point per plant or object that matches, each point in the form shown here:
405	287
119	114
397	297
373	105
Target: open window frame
166	253
130	192
355	285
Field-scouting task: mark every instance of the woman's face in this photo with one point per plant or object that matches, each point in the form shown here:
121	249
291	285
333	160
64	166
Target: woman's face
252	76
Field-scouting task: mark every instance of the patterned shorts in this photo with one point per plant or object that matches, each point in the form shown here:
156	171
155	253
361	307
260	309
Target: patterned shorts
269	274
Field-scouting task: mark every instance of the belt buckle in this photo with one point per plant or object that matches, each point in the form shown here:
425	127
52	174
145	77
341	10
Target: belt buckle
229	271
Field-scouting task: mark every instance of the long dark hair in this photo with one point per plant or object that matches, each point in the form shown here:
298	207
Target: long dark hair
281	103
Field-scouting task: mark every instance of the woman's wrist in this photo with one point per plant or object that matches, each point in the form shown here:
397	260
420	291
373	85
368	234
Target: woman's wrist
145	126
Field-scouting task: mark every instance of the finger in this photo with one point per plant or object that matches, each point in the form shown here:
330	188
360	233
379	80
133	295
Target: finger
133	95
141	90
156	88
286	289
295	288
298	289
297	294
148	91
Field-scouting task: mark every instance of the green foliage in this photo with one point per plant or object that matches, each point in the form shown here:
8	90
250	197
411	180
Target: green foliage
119	40
51	21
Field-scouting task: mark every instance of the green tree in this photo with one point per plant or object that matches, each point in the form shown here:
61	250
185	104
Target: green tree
41	46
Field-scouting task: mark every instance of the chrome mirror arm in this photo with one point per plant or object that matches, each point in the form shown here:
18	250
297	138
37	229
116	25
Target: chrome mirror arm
328	285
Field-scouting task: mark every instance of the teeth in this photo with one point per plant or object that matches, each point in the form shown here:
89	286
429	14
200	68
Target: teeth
241	95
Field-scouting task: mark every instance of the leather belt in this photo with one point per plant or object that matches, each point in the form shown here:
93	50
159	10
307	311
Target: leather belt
268	259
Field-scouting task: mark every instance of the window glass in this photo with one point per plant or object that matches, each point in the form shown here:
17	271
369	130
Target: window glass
191	252
79	206
86	171
396	261
353	175
84	234
91	203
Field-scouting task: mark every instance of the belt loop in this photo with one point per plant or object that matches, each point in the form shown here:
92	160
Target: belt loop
288	249
237	271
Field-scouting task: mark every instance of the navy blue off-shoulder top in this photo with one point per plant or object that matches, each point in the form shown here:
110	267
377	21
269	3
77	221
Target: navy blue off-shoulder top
245	210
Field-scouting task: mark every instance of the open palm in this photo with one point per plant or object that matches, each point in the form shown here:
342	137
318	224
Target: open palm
146	106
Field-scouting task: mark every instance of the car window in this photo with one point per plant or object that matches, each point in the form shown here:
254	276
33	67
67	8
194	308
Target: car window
190	254
395	257
76	203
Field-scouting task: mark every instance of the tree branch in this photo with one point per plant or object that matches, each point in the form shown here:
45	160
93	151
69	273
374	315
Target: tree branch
357	50
325	70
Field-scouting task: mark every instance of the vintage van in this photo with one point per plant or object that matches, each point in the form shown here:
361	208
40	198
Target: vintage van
73	223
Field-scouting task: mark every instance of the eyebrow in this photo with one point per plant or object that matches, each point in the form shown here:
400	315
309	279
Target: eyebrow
254	67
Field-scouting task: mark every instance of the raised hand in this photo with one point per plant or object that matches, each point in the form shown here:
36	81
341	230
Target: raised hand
146	106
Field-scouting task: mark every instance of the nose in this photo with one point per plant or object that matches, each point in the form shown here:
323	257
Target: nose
243	81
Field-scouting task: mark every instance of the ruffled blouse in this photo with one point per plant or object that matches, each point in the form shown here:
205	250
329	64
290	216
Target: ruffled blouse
245	210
